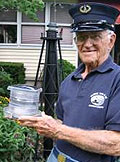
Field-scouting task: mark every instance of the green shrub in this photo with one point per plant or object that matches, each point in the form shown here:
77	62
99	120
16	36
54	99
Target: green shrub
16	142
67	68
10	74
16	71
5	81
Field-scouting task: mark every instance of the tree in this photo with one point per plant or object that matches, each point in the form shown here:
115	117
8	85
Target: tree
27	7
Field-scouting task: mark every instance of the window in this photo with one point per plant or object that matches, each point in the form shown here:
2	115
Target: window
31	34
18	29
8	26
31	31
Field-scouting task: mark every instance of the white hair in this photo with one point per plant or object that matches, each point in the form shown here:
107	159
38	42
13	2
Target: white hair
110	33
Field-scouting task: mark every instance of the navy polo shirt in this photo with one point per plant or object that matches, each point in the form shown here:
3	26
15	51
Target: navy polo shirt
92	103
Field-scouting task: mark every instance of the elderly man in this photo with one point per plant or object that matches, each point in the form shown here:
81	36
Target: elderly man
88	107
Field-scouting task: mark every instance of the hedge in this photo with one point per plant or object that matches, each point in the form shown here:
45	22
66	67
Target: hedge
16	71
10	74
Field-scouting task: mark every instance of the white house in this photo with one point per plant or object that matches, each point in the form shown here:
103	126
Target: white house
20	37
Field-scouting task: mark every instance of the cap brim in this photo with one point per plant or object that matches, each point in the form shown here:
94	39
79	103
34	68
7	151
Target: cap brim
85	29
92	26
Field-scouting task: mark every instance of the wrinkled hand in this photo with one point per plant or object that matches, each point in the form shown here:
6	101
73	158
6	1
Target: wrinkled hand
44	125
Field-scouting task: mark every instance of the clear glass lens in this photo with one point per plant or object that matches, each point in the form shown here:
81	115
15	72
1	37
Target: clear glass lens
95	37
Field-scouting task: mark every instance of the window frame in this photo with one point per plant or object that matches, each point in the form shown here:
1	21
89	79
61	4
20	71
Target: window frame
19	24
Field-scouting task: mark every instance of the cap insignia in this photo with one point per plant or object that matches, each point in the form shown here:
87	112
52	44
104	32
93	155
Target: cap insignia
85	9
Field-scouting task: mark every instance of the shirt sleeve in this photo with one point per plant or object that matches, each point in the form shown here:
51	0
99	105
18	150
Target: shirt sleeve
113	112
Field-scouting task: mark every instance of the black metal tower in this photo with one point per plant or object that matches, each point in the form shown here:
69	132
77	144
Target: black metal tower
52	77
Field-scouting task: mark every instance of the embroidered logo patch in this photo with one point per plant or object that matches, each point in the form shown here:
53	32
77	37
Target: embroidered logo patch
97	100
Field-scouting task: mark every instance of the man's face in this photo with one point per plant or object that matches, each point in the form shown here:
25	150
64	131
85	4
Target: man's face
94	47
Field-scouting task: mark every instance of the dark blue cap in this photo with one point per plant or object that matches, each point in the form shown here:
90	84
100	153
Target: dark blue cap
91	16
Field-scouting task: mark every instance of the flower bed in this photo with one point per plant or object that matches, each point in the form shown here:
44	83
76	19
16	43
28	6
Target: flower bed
16	142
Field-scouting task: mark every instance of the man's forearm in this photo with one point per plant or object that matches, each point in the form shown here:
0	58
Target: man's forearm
98	141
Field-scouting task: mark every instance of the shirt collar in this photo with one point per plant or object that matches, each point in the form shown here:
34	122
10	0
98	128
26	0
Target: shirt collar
107	65
77	74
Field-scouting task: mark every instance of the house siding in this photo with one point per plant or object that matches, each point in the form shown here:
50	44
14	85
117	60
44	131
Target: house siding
30	58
